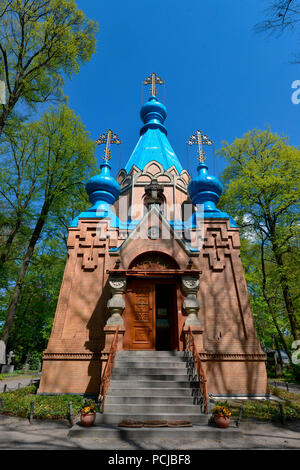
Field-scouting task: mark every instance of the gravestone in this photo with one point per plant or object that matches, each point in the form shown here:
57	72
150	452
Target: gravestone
26	364
9	367
2	354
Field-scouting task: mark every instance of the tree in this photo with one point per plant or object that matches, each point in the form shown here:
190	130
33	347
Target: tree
20	184
262	189
34	315
32	324
65	155
267	306
282	15
41	41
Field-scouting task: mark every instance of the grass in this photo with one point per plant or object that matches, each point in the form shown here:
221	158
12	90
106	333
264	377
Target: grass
268	410
18	373
17	403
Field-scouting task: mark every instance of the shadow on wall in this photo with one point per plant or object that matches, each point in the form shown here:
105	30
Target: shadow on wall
224	333
96	341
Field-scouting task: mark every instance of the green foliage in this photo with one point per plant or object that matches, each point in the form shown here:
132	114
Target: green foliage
268	410
40	43
221	408
262	189
17	403
223	403
42	192
35	360
89	406
43	162
262	183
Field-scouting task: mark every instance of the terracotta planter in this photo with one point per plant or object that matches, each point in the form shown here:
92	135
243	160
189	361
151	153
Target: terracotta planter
222	421
88	419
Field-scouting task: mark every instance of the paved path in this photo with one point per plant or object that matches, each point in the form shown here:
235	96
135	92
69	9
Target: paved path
13	382
19	434
295	388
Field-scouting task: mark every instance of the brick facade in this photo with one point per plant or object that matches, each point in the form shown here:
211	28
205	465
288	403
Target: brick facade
76	352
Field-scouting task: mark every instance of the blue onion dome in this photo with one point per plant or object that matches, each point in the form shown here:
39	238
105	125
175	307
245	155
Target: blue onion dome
205	189
103	187
153	113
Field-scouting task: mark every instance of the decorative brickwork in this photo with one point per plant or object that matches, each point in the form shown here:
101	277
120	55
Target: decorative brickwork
152	276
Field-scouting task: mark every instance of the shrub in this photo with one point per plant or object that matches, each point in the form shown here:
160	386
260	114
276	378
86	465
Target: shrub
17	403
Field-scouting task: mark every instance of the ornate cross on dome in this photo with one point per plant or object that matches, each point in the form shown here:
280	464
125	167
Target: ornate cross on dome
151	80
108	139
200	139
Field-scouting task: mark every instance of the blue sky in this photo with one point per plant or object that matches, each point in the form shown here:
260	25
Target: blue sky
220	76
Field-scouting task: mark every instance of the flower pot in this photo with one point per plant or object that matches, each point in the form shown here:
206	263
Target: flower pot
222	421
87	419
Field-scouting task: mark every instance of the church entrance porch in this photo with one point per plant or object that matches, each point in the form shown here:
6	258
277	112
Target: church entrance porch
150	316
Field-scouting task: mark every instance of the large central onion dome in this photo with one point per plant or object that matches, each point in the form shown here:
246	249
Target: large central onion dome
153	114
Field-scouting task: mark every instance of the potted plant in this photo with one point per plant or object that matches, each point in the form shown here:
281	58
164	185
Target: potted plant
221	413
88	413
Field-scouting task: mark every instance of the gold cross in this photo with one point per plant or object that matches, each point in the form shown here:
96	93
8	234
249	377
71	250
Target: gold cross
151	80
108	139
200	139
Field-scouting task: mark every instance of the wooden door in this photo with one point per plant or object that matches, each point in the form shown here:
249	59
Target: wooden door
139	318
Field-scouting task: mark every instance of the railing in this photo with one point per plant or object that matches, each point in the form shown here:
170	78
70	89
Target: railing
195	366
105	379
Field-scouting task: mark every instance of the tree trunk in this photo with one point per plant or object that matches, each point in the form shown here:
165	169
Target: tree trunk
6	112
269	304
29	252
289	305
282	339
2	121
6	249
278	351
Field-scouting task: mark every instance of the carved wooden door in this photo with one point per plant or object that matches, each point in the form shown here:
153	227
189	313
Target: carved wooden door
139	317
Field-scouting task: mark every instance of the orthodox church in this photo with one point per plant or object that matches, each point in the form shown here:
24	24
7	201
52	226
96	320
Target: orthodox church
149	263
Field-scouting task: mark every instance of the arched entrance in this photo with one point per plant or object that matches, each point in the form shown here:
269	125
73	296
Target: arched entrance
150	316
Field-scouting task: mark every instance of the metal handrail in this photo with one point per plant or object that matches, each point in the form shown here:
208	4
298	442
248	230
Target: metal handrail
197	364
106	376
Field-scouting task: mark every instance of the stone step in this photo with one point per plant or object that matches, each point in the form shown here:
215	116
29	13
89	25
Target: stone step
153	409
197	431
116	418
150	391
135	376
118	371
154	354
149	400
151	363
143	382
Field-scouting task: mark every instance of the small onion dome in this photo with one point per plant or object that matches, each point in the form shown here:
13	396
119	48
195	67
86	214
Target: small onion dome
153	114
103	188
205	189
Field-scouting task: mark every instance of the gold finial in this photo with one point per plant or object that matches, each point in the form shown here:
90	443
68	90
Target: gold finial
200	139
151	80
108	139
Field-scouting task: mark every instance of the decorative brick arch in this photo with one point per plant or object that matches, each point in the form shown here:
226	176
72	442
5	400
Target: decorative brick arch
154	260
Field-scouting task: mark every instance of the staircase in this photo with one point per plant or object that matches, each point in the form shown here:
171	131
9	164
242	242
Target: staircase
148	386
